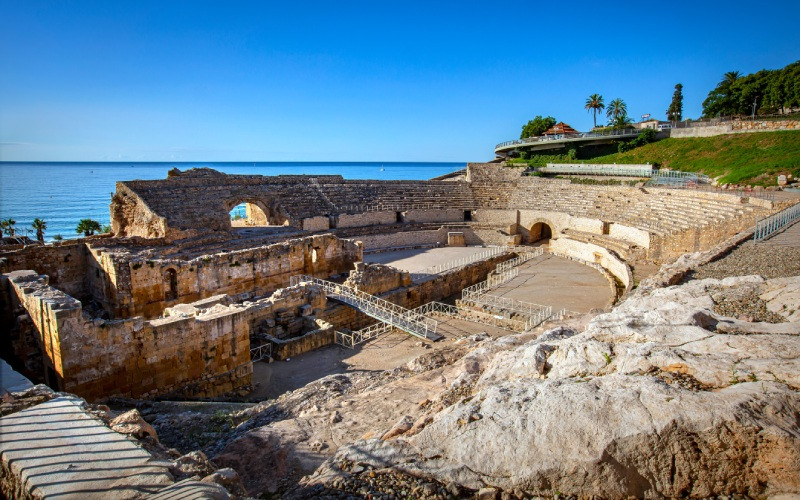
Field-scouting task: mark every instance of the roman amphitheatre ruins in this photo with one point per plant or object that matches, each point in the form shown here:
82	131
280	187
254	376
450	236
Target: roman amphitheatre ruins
486	333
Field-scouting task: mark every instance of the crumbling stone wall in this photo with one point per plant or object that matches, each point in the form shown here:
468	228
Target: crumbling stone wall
145	286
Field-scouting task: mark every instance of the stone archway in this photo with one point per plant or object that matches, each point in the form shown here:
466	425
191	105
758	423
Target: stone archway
252	212
540	231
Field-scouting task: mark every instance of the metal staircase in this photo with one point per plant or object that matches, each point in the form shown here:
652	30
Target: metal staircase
375	307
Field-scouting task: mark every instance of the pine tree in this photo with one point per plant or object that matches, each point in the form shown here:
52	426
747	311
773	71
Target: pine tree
675	110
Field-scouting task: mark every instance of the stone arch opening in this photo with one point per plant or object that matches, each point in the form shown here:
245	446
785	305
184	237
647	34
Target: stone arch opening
540	231
170	284
252	213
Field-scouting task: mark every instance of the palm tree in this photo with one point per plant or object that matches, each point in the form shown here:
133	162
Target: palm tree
87	227
594	104
39	225
8	226
730	77
616	108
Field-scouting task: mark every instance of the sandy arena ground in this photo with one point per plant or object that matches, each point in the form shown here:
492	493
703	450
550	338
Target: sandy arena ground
548	280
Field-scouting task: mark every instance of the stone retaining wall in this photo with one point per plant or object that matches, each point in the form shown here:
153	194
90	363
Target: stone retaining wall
735	127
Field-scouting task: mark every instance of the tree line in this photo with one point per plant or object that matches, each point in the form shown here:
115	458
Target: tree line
87	227
764	92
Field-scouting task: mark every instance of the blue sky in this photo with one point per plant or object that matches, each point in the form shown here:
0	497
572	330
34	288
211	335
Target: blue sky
352	81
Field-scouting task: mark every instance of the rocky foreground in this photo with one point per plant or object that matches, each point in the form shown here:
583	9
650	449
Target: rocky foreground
688	390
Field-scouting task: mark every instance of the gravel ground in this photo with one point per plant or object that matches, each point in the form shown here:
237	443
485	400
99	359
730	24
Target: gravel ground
769	261
743	303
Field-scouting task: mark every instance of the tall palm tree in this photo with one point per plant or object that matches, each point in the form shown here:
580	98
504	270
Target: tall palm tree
594	104
730	77
616	108
39	225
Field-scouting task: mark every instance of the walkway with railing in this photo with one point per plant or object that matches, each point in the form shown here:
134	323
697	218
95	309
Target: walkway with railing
375	307
352	339
611	134
768	226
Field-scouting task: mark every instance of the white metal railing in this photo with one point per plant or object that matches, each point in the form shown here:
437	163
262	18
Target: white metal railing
260	352
375	307
521	259
468	315
767	226
583	135
458	263
352	339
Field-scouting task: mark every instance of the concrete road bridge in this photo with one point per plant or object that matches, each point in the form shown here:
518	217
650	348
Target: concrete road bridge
559	141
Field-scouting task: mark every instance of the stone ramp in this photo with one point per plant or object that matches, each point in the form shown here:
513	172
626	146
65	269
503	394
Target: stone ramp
57	450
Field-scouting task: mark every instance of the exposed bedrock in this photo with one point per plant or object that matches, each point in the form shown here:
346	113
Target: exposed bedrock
663	396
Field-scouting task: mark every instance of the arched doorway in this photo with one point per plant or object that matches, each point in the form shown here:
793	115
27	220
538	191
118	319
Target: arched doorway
541	231
251	213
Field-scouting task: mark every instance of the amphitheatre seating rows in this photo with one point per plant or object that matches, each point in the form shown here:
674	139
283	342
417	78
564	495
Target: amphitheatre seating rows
671	210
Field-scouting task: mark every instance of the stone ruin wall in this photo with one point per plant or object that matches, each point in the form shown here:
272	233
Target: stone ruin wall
190	355
200	349
127	286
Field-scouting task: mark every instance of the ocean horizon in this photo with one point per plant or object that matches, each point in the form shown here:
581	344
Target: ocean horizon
62	193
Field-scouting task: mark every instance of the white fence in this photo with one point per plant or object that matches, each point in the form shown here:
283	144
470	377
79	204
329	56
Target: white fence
467	315
457	264
352	339
768	226
260	352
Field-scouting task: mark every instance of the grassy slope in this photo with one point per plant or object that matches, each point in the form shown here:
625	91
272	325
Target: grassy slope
754	158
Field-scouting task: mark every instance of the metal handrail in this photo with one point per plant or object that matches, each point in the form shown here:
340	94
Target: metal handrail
352	339
463	314
582	135
457	264
375	307
260	352
767	226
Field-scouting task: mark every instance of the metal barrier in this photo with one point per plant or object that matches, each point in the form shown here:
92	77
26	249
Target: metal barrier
523	258
768	226
352	339
585	135
464	314
375	307
457	264
618	171
260	352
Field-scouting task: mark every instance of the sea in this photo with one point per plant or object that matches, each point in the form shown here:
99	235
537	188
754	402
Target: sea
63	193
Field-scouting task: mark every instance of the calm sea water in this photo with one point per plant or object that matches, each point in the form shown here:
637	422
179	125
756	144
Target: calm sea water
63	193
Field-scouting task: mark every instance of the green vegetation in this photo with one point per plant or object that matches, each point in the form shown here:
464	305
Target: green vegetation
595	104
754	158
646	136
58	237
7	226
39	225
537	126
88	227
764	92
675	109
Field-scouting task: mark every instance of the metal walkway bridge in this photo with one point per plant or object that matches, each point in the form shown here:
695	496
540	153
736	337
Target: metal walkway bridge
375	307
559	141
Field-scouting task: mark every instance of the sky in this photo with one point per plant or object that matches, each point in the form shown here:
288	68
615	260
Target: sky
353	81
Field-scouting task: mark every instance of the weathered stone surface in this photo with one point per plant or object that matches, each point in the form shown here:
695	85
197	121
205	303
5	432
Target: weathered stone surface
648	400
132	423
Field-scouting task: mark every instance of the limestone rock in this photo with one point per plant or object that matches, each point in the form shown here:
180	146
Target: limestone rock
403	425
229	479
192	464
132	423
